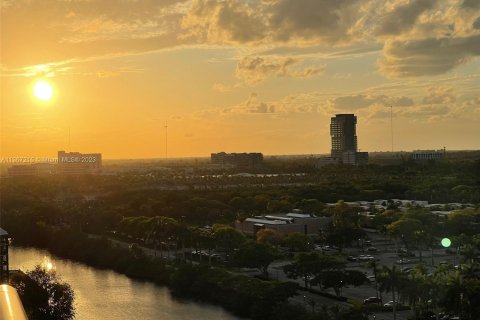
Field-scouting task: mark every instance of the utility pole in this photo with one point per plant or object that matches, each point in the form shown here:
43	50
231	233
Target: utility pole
391	124
166	140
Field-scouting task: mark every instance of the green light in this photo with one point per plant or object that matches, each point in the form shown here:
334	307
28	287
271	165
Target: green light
446	242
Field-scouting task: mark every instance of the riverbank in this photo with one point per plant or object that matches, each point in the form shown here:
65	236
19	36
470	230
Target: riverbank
108	295
242	295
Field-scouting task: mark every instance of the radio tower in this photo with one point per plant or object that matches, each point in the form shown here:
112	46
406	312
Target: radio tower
391	124
166	140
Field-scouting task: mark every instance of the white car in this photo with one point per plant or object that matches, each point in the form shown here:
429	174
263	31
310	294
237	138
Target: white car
390	304
403	261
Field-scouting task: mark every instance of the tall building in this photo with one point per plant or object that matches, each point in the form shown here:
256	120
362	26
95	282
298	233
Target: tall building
344	135
344	142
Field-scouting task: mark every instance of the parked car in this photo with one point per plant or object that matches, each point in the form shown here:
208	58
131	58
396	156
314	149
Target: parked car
407	270
407	254
351	258
403	261
372	249
372	300
366	257
390	304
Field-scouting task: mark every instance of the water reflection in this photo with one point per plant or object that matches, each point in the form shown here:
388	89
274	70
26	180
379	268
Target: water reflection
102	294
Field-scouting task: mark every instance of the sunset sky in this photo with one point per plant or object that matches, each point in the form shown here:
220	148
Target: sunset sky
237	76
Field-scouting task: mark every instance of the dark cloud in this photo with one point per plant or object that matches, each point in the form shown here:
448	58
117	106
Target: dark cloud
403	17
224	21
476	23
282	21
432	56
470	4
330	21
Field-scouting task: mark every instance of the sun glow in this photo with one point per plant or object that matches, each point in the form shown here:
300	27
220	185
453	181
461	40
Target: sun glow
42	90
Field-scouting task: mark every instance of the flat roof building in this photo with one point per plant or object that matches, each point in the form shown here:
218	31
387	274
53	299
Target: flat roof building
31	169
426	155
249	160
284	223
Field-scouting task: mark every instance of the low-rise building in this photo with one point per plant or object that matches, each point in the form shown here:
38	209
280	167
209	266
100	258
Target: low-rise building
31	169
249	160
284	223
426	155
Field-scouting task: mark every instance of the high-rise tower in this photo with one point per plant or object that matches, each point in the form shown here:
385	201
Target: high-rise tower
343	133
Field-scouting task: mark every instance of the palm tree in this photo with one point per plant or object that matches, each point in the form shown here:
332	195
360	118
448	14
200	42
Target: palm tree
373	264
453	299
416	289
391	280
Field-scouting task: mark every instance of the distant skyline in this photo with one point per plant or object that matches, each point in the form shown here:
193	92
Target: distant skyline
236	76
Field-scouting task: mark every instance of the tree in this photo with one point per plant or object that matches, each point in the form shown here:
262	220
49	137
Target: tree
310	206
373	264
338	278
227	237
344	227
44	295
297	241
304	265
268	236
405	230
462	221
391	280
255	255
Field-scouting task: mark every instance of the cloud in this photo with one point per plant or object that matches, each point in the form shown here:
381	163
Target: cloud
256	69
439	95
276	21
403	17
224	22
252	105
313	21
470	4
220	87
39	32
476	23
360	101
431	56
426	112
419	37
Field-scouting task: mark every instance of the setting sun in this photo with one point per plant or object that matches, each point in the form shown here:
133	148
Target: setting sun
42	90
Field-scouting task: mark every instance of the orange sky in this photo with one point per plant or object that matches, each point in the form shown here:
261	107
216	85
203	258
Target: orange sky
237	75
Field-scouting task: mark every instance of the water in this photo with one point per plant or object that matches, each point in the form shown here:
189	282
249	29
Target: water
104	294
